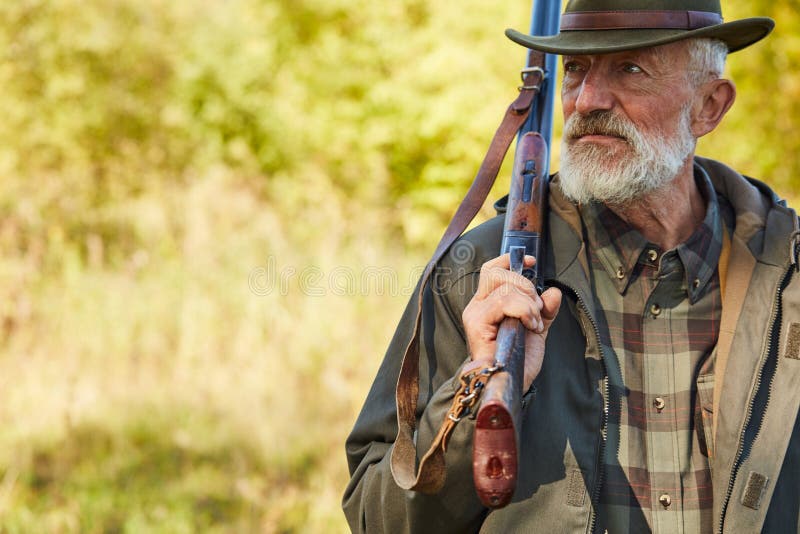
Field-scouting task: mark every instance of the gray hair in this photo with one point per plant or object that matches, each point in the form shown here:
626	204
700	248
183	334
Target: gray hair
706	59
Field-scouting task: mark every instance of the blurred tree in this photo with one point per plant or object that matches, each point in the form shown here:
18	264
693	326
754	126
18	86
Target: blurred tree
386	109
758	137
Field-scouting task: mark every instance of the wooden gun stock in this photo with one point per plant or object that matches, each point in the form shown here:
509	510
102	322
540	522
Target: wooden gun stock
496	445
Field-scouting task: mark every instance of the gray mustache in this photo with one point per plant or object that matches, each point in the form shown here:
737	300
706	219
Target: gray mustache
599	123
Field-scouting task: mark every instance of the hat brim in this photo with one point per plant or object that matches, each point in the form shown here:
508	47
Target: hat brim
737	34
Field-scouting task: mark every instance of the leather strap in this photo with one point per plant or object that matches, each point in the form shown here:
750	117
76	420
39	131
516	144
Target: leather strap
638	20
430	477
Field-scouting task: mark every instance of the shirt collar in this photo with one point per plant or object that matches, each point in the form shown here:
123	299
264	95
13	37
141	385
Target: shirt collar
621	249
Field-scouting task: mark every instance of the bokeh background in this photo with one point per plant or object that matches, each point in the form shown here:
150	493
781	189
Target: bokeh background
211	215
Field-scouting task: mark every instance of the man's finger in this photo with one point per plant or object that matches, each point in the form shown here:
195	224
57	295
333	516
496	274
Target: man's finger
503	303
551	303
496	272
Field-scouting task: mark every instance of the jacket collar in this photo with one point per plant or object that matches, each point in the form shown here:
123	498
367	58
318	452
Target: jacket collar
763	220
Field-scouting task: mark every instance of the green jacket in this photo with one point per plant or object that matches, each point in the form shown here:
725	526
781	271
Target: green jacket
756	448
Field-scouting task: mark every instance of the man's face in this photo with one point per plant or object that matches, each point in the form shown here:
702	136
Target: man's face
627	123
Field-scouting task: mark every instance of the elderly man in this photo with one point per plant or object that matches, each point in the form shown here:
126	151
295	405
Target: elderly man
663	363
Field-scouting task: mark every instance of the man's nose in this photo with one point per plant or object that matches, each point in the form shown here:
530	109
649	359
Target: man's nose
595	93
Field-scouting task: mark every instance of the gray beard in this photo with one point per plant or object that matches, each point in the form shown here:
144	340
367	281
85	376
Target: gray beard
620	176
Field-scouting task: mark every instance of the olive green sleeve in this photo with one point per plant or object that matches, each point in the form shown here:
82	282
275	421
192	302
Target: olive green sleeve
373	502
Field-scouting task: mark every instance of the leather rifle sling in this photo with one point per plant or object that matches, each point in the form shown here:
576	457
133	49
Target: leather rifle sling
430	477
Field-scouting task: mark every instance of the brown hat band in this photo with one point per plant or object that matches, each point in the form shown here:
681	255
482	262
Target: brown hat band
637	20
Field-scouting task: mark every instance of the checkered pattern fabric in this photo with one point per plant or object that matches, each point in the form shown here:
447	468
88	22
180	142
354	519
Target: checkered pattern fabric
658	315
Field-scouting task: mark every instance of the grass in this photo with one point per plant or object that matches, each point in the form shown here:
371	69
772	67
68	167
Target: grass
172	395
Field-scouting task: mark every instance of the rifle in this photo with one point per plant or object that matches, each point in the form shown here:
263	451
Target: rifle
531	111
494	456
496	441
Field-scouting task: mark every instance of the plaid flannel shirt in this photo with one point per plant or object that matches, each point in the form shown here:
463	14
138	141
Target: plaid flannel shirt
658	315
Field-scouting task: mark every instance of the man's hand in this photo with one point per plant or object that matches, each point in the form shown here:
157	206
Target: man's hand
502	293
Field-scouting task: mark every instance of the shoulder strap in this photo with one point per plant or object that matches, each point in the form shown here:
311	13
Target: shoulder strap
404	454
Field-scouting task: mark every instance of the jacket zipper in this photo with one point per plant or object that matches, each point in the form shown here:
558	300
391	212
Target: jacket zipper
595	497
743	449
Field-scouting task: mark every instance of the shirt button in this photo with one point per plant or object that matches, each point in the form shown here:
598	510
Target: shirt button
620	273
655	309
696	283
665	500
652	254
659	403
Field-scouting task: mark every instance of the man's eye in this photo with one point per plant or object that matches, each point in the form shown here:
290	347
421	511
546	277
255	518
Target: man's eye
630	68
572	67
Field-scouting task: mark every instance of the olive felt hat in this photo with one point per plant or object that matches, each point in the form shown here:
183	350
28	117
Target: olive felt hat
604	26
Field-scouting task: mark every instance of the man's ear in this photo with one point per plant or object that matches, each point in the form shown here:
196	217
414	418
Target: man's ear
714	99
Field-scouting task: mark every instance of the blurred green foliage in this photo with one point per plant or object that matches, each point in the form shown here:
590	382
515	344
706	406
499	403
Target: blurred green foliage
389	105
154	153
758	136
109	101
